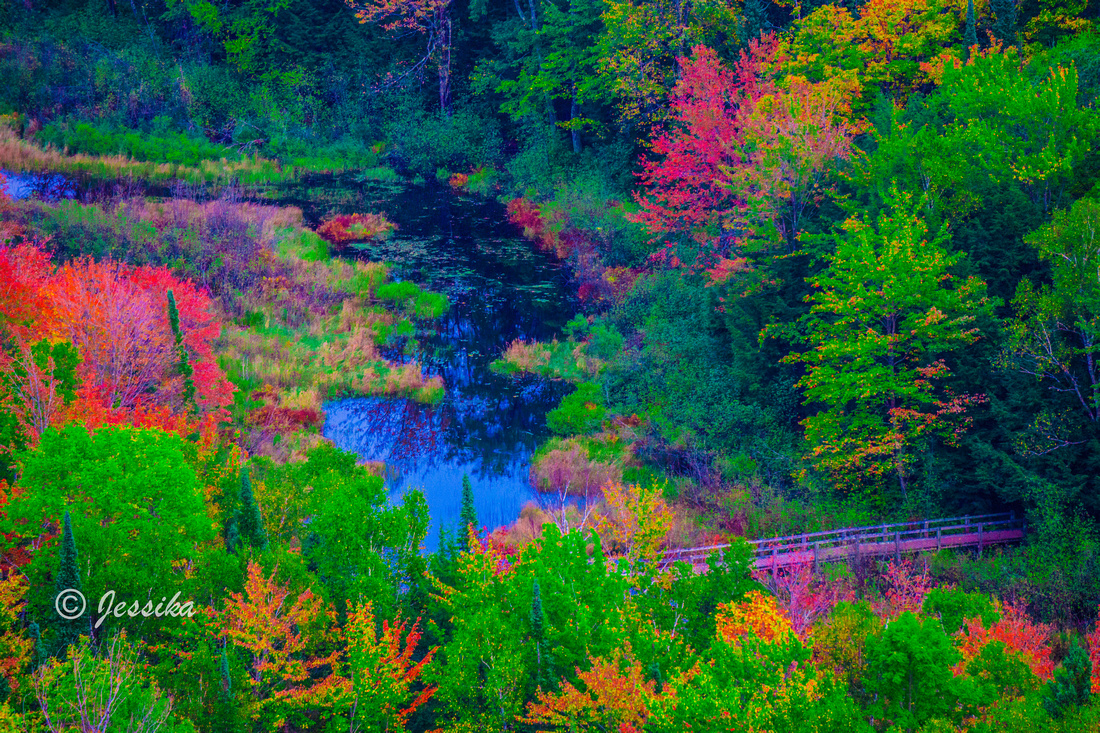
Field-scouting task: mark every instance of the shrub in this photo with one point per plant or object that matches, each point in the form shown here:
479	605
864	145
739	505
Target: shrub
579	413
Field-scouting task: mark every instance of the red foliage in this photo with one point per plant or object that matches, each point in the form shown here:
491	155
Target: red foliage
1093	641
802	597
24	269
340	230
117	317
906	587
285	419
1019	634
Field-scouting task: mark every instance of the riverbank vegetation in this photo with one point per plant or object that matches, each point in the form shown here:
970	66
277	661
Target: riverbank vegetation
836	264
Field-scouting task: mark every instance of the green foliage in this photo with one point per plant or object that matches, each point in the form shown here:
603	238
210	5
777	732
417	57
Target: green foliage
909	673
131	494
68	629
467	518
105	139
1071	687
955	606
581	412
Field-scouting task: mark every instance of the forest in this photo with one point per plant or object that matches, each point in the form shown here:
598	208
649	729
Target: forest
610	279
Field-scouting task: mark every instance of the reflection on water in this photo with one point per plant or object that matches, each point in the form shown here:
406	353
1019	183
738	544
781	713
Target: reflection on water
500	289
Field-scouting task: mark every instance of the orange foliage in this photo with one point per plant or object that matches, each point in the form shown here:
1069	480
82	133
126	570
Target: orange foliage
758	615
615	697
277	634
382	668
1019	634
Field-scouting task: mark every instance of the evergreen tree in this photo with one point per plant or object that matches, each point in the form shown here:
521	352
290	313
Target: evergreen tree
68	579
232	534
1004	25
227	719
970	38
40	656
184	365
468	517
251	523
756	18
1071	686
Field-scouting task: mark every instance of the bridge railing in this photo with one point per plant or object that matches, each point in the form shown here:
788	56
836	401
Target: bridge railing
990	525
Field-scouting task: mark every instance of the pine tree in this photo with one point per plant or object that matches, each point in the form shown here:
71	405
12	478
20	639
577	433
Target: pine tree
68	579
1004	25
184	365
971	36
232	534
468	517
227	719
1072	684
251	523
756	19
40	656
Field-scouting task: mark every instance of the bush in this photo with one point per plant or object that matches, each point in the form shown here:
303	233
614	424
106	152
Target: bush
579	413
1071	686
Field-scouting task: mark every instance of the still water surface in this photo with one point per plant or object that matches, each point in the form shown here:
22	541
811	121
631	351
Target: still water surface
500	289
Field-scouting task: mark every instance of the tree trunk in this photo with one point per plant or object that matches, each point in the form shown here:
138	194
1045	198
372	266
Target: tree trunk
443	23
573	109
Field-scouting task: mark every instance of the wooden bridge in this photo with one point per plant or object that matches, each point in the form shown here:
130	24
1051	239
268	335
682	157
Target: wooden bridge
852	543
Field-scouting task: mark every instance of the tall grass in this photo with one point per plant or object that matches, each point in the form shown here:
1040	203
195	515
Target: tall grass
24	156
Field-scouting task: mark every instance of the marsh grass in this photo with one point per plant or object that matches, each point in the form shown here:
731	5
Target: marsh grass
24	156
555	359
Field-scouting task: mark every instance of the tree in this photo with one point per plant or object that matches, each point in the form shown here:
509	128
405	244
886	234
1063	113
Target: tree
467	517
134	499
90	692
970	37
1055	336
909	673
613	695
383	673
1071	686
431	18
184	364
114	315
250	523
882	314
285	637
636	519
68	628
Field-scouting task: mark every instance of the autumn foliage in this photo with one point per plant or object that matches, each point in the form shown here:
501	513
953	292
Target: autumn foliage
346	228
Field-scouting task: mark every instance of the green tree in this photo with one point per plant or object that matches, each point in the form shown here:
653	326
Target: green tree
882	314
1055	336
970	36
909	673
1071	686
467	517
184	365
250	521
135	500
68	579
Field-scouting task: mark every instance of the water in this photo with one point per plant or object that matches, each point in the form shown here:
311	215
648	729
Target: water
500	289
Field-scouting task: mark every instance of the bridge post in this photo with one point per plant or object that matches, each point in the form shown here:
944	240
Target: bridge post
939	538
981	540
775	560
816	546
925	535
897	546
